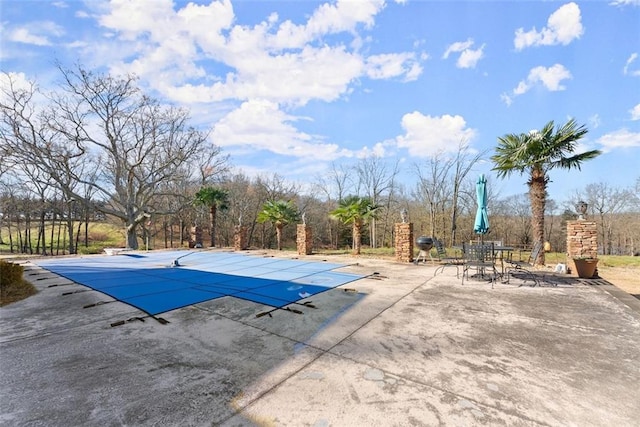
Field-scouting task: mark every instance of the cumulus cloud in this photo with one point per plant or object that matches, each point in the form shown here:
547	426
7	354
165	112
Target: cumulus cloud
563	26
426	135
35	33
550	78
468	57
343	16
627	70
284	62
635	113
390	65
15	81
262	125
199	54
620	139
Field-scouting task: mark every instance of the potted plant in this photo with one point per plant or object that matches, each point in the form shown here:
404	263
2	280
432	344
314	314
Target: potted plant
585	266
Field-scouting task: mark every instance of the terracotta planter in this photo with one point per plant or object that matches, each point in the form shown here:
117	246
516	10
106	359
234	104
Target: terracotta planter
586	268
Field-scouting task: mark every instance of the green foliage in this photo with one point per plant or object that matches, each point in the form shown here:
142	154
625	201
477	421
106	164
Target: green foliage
543	150
354	209
279	212
210	196
12	286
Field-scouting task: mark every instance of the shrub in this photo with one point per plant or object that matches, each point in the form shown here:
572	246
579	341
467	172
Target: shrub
12	286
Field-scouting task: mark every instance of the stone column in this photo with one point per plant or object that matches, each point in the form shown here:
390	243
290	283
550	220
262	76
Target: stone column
582	240
240	238
404	241
196	237
304	239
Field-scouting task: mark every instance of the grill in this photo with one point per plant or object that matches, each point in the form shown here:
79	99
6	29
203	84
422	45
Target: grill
425	244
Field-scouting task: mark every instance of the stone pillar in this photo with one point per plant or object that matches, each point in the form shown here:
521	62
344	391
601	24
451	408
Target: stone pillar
240	238
196	237
304	239
582	240
404	241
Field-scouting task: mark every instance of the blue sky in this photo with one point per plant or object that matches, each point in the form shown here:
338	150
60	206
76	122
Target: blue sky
294	86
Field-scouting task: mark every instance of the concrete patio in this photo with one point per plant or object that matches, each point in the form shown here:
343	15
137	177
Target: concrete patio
398	348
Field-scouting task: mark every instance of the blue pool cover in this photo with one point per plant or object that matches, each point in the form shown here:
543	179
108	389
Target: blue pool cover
153	283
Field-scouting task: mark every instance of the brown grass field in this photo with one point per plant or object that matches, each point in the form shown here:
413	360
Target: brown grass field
625	278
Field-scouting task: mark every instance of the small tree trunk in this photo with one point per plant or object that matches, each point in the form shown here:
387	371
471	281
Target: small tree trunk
212	225
279	236
357	237
132	239
537	195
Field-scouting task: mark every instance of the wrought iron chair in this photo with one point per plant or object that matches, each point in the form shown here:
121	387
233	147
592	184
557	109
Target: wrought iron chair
444	259
479	257
523	268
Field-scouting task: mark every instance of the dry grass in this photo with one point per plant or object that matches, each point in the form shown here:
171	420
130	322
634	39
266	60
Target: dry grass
625	278
12	286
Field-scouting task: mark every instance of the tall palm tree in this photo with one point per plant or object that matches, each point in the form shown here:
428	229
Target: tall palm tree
356	211
536	153
214	198
279	213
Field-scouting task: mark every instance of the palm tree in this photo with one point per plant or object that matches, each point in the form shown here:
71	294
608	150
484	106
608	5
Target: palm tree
536	153
214	198
280	213
356	211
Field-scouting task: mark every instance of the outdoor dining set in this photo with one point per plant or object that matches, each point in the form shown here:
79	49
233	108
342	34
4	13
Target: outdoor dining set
487	260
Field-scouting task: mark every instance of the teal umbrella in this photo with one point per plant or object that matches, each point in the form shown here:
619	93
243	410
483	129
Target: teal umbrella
481	226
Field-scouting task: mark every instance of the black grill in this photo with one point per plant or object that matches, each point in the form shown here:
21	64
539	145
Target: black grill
424	243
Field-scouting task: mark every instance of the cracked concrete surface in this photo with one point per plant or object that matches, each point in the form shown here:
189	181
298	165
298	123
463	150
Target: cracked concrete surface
407	348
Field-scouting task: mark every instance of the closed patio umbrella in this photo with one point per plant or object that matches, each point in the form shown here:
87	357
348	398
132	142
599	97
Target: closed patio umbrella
481	225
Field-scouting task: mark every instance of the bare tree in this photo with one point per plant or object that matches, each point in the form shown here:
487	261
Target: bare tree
462	163
377	181
432	188
335	186
106	124
606	202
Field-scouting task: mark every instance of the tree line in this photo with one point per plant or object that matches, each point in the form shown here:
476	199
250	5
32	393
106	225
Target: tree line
98	148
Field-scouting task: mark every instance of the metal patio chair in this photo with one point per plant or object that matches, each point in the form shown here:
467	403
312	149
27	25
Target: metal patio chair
479	257
444	259
523	268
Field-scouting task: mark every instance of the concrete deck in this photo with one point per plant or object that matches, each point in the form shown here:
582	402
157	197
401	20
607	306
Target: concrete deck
406	349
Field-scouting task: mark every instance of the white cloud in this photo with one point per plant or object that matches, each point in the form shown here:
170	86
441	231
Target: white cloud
343	16
507	99
36	33
620	139
457	47
22	35
285	63
261	125
17	81
426	135
635	113
625	3
390	65
626	70
198	55
563	26
468	57
550	78
130	18
12	81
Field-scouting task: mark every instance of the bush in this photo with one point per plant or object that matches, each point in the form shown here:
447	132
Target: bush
12	286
